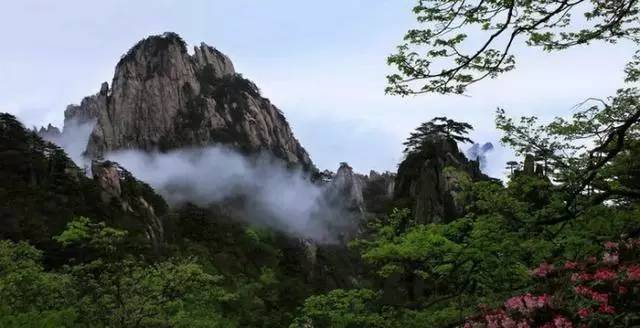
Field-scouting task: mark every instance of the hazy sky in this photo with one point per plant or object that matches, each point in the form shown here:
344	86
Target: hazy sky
322	63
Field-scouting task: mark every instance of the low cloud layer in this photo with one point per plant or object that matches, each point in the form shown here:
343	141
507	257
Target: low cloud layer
258	188
73	139
270	192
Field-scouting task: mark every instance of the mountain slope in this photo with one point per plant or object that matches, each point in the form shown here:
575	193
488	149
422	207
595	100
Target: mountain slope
42	190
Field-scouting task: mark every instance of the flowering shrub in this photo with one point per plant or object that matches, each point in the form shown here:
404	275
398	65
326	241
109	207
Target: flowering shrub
595	292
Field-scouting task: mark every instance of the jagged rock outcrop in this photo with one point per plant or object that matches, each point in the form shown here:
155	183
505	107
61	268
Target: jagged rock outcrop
346	187
161	98
50	132
107	175
378	191
530	167
120	187
430	181
357	192
89	109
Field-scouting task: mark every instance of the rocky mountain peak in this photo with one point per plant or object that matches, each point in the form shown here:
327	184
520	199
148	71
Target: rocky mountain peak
432	179
360	193
163	98
49	132
349	185
207	56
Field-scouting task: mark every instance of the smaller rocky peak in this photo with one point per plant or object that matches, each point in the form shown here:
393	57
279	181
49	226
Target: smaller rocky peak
432	179
118	186
382	183
207	57
49	132
89	108
108	175
347	186
530	167
104	89
344	170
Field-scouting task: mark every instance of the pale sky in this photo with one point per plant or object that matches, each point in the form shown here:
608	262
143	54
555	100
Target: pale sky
323	63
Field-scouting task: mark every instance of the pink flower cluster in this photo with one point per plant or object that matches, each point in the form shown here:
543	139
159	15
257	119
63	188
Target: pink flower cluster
604	274
604	285
633	272
558	322
543	270
610	258
527	303
500	319
497	319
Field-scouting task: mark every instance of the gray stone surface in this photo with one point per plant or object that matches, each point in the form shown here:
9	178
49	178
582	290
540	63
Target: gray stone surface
162	98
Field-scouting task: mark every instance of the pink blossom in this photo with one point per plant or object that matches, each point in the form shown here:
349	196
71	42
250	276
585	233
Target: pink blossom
583	290
543	270
570	265
608	309
633	272
622	289
584	312
604	274
527	303
610	245
602	298
514	303
558	322
562	322
610	258
583	276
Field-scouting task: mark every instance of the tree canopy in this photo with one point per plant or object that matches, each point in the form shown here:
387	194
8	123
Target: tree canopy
444	56
439	126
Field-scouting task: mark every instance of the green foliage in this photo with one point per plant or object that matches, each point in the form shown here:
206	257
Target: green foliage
587	156
266	274
437	127
109	291
41	187
435	275
30	296
82	232
439	56
342	309
43	190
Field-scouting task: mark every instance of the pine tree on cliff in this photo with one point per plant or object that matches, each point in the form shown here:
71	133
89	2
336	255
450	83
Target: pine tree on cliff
439	126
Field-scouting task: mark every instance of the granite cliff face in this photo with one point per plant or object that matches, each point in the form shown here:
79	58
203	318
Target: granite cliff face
430	182
358	192
162	98
346	187
118	186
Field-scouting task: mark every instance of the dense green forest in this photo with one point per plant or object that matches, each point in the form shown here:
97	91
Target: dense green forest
554	244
